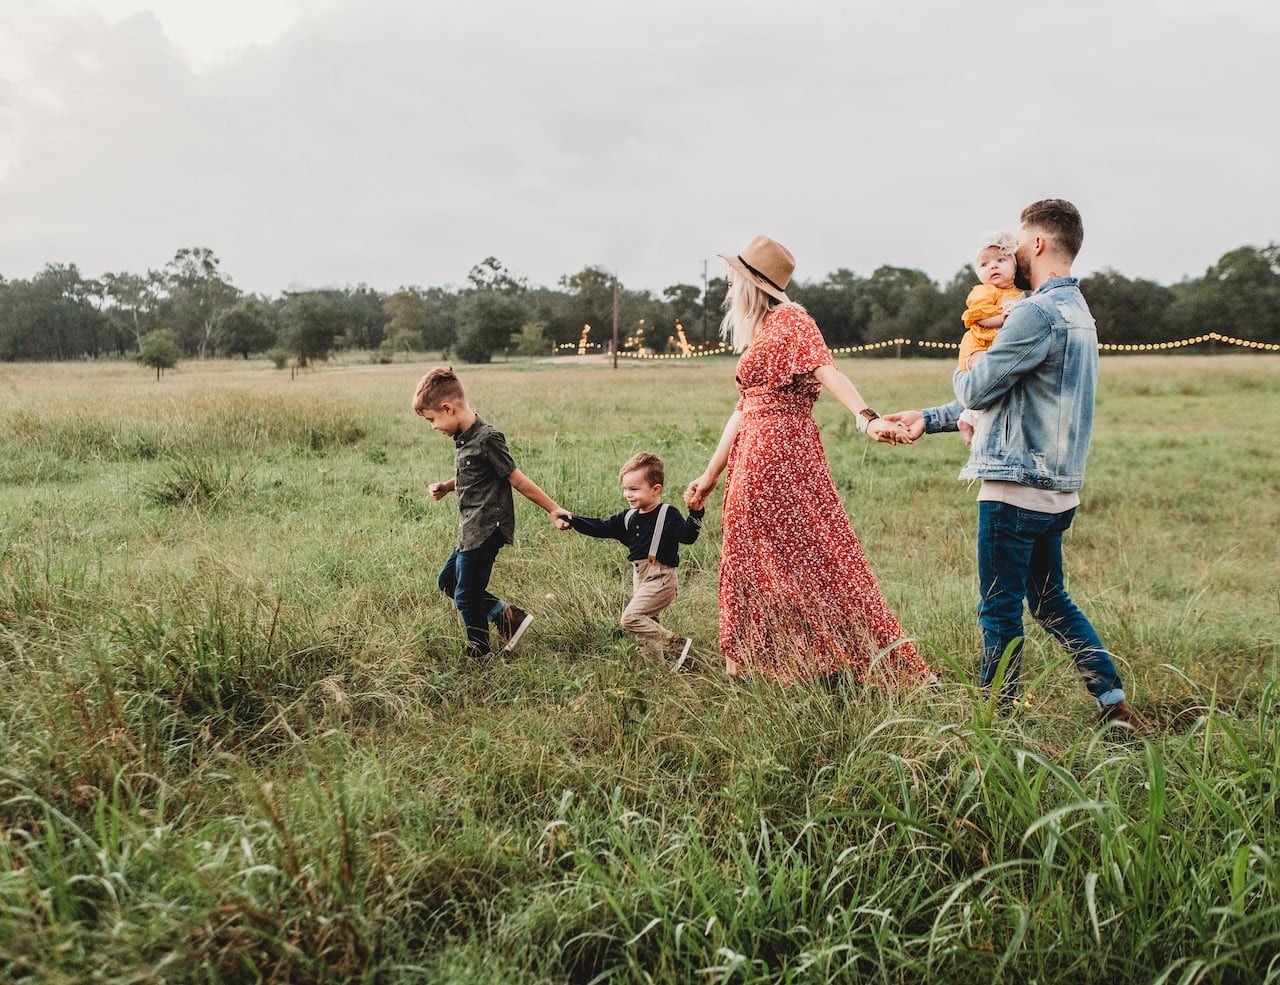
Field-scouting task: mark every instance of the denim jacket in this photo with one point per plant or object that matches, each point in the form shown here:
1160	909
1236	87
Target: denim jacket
1035	386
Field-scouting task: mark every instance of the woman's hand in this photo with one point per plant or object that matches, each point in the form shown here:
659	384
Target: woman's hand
890	432
698	491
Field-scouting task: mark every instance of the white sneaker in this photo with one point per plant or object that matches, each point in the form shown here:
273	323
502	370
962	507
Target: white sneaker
512	622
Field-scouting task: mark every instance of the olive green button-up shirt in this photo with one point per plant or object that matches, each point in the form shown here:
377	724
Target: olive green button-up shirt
482	467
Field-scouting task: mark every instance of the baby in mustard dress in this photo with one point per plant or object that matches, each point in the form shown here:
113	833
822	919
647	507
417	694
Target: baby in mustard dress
987	305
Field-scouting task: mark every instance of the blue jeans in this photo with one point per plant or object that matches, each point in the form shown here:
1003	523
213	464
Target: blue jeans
465	579
1020	557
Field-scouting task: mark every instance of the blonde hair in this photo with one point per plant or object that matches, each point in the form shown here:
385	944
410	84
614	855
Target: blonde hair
745	309
1005	242
437	387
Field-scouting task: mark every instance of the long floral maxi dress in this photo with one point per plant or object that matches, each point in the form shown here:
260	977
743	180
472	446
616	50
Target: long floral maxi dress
797	598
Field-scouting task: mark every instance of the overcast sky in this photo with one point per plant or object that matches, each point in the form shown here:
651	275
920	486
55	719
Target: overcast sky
394	142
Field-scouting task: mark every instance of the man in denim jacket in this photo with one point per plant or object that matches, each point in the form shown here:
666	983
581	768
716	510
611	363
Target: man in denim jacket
1036	384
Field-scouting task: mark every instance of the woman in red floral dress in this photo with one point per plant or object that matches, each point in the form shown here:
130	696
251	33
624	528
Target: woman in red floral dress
797	598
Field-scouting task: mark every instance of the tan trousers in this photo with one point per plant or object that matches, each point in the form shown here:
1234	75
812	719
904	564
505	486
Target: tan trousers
653	588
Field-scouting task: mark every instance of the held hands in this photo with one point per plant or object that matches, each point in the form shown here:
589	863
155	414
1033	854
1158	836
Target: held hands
911	420
699	489
889	431
561	517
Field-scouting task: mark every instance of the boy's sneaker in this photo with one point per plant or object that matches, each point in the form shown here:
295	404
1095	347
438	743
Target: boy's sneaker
478	656
679	646
512	622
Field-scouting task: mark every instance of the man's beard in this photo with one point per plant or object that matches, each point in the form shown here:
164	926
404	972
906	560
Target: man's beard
1021	277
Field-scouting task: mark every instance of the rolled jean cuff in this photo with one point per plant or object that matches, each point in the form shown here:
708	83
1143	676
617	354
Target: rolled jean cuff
1112	697
496	611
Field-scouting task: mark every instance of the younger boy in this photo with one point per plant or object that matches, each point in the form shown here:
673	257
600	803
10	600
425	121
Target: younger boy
987	306
484	475
652	531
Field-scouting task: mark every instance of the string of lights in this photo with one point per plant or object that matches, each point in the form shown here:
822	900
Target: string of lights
1195	340
582	348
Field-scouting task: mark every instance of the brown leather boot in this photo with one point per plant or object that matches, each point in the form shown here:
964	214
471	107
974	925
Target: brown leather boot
1121	714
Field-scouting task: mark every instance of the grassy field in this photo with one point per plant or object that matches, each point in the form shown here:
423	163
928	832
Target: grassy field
238	741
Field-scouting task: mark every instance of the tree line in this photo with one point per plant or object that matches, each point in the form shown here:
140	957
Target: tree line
59	314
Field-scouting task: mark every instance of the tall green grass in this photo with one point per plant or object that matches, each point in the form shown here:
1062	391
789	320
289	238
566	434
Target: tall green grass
238	741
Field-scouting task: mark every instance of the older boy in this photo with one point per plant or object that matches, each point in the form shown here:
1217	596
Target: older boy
484	475
652	532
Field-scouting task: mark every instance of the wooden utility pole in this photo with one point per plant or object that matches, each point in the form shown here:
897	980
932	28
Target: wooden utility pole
615	321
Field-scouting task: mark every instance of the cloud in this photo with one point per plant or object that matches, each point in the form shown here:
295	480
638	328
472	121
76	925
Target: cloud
394	143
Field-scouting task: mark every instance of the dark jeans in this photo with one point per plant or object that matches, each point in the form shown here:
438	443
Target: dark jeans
465	579
1020	557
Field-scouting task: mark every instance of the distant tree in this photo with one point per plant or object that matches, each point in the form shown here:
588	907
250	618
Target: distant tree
82	301
132	301
486	322
717	289
406	317
948	325
244	328
159	350
54	315
1238	296
366	318
441	310
925	314
403	340
589	301
1127	311
19	314
530	341
310	320
490	275
641	308
834	305
196	291
490	311
684	302
897	302
554	311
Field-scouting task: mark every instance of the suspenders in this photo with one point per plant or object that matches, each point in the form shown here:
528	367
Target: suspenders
657	528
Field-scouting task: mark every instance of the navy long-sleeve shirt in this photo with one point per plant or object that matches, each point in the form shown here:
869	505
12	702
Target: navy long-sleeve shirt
638	534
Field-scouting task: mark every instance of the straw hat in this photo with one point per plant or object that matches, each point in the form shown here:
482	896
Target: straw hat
767	264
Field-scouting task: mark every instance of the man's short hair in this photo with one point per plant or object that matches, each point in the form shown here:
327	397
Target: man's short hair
650	465
438	387
1060	221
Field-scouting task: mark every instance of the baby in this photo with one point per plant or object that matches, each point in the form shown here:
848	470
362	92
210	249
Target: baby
987	305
